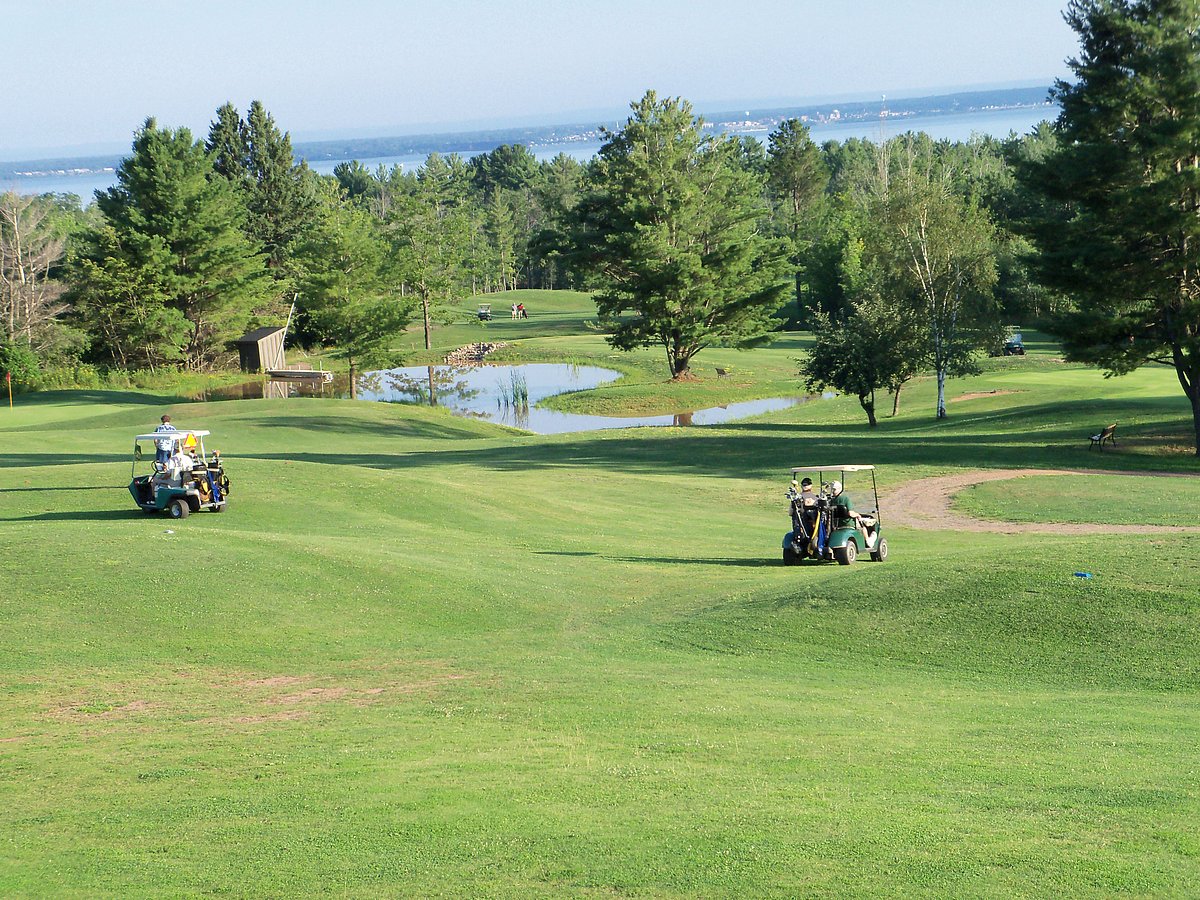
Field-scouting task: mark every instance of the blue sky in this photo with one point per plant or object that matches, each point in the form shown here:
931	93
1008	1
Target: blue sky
81	75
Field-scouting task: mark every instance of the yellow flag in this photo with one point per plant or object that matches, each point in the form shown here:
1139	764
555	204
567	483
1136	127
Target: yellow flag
190	442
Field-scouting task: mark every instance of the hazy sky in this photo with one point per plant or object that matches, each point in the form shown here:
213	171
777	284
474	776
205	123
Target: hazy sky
81	75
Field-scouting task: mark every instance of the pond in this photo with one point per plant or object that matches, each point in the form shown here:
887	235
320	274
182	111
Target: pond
506	395
509	395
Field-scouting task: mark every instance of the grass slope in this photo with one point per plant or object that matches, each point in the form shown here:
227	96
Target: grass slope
421	655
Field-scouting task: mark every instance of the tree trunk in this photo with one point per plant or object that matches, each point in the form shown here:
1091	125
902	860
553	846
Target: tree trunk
1196	420
680	368
868	404
941	403
425	315
353	380
896	400
1190	382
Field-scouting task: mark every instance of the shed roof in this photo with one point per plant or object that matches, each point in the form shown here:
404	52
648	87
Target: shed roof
258	334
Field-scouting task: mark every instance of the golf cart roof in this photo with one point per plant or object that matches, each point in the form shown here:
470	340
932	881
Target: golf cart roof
180	434
832	469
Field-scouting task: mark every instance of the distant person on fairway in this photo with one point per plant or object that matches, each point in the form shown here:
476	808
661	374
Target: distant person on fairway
514	310
521	313
164	446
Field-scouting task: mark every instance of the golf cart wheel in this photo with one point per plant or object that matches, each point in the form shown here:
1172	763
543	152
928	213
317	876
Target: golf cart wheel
220	507
879	554
791	558
846	555
179	508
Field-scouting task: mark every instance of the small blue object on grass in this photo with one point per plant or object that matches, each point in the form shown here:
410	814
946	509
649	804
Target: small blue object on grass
1083	574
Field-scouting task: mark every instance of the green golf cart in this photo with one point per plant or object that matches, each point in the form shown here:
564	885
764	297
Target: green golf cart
823	528
180	491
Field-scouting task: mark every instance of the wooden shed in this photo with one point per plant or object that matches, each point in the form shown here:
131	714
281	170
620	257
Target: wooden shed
261	349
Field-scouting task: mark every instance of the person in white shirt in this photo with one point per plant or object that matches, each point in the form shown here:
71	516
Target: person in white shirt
176	470
164	446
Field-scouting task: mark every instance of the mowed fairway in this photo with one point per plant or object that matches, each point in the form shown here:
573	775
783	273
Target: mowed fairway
423	656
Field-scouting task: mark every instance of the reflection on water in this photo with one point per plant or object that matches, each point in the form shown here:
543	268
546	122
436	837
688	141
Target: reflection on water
265	389
507	395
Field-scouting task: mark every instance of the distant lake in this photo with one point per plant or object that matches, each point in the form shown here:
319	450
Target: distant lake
956	127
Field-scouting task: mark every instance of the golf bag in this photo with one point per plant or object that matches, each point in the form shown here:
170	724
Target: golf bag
810	528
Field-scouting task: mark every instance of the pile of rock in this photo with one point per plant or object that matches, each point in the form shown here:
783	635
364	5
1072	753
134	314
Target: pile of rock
472	353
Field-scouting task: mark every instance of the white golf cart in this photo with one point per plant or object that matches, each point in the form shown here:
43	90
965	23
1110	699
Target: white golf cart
180	492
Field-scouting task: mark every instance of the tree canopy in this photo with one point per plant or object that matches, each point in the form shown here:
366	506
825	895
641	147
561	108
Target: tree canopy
1120	233
670	225
171	251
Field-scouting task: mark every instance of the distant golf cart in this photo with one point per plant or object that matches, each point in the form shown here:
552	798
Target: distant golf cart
484	312
820	532
1014	346
180	493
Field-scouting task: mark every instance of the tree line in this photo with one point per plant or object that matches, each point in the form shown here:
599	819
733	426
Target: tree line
201	239
904	255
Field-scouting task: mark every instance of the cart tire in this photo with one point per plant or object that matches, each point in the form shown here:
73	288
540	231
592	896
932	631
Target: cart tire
879	554
846	555
179	508
791	558
220	507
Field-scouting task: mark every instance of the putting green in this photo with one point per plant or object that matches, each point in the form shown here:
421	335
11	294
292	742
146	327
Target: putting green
1108	499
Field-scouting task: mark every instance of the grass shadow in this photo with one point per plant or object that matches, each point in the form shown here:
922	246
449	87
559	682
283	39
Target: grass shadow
701	561
36	490
83	515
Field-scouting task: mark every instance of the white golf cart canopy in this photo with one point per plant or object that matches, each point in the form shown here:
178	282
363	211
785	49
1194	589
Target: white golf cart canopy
177	435
187	438
833	469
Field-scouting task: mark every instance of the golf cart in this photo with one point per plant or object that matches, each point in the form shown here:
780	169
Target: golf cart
1014	346
180	492
484	312
820	528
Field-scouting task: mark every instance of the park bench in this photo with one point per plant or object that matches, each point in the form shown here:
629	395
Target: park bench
724	373
1104	435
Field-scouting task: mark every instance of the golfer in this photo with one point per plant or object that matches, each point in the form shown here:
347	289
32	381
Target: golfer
164	446
843	509
807	497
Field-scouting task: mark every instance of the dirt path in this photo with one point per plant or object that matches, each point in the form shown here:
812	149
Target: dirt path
925	504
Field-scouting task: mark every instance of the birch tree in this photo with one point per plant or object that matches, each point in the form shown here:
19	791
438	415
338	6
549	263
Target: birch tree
935	250
30	248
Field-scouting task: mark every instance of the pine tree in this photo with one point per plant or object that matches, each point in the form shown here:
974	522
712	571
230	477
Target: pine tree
1121	234
228	145
348	284
176	241
669	225
282	192
430	235
796	177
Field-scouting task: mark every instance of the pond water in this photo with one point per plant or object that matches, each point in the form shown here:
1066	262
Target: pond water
507	395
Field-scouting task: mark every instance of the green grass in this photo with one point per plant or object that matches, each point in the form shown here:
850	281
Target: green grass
423	656
551	313
1109	499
